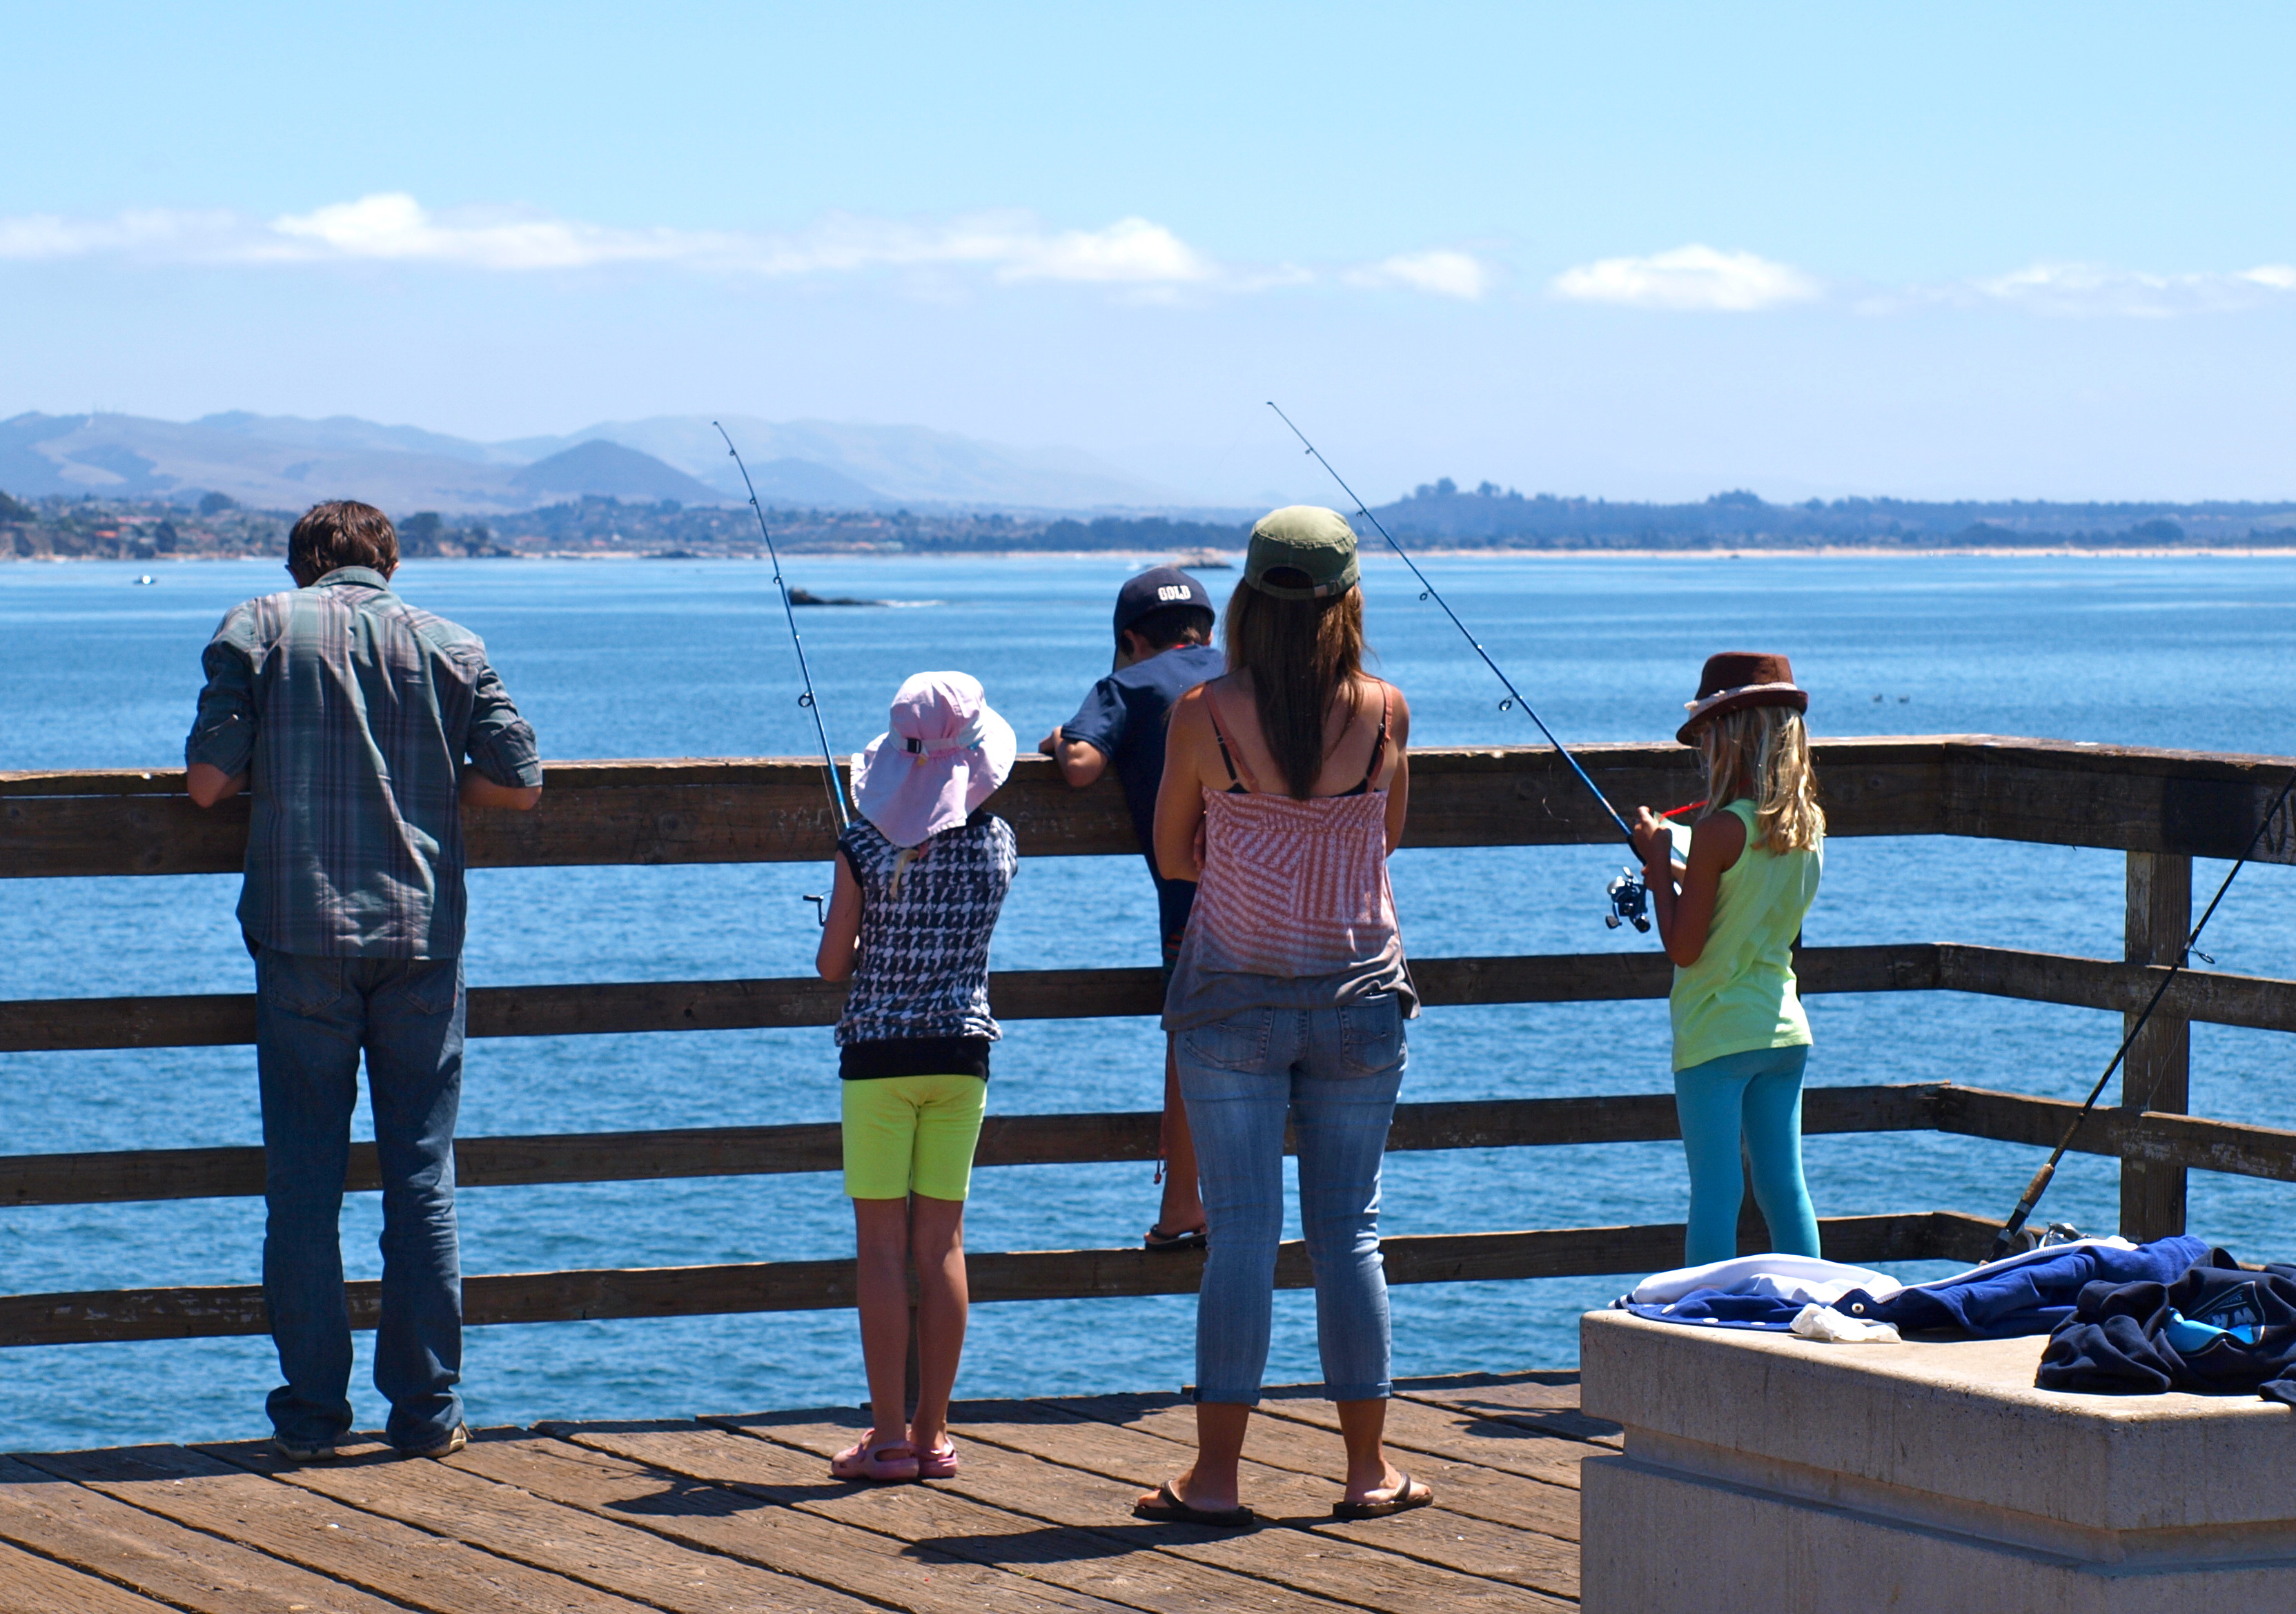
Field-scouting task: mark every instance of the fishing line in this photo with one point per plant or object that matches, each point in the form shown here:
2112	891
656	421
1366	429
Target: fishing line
2039	1185
828	761
1630	896
1427	591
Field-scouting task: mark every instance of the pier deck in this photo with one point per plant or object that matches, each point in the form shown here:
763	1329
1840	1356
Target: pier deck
737	1512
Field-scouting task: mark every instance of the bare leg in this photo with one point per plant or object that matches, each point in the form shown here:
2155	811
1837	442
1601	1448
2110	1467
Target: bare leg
1183	1210
937	1233
1362	1425
1211	1482
880	1238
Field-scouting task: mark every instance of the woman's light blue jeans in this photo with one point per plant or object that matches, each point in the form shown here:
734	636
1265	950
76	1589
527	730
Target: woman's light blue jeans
1759	1095
1333	1074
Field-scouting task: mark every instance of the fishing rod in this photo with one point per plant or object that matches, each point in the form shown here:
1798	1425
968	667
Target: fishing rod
2039	1185
1629	896
807	700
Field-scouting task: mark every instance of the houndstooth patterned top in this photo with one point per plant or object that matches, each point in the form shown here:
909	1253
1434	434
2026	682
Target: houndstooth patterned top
923	969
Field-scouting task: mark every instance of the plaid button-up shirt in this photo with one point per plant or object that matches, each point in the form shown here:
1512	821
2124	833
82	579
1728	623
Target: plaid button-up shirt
352	712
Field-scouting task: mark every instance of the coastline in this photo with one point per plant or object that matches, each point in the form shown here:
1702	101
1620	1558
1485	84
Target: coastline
1150	557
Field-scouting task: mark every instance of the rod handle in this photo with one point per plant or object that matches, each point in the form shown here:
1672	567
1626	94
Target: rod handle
2034	1190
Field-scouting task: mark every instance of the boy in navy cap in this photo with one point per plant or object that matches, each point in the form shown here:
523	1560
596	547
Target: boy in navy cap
1163	649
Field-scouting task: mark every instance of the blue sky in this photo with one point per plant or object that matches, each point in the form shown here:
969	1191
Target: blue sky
1631	250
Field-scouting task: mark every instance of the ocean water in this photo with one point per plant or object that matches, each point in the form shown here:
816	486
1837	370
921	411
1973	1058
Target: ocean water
667	659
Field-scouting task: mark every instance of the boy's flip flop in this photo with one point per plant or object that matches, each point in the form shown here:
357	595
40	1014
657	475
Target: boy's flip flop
1156	1238
1407	1495
1169	1508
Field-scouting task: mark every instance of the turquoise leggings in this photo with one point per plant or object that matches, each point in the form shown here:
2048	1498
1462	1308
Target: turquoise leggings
1760	1093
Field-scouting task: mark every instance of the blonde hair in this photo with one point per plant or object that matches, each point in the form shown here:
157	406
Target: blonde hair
1761	754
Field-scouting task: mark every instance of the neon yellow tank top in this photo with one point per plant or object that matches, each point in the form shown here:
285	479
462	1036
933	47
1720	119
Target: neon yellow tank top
1739	994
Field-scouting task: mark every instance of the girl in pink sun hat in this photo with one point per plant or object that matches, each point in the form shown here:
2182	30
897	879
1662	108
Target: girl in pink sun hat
921	876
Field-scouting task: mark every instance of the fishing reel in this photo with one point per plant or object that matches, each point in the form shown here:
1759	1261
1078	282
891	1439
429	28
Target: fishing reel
1629	901
2058	1232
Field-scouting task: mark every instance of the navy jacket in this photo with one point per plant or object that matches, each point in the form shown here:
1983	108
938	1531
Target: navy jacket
2216	1328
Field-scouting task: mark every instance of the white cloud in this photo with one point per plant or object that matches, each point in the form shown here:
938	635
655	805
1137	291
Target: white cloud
394	227
1439	274
1694	277
1134	254
2097	289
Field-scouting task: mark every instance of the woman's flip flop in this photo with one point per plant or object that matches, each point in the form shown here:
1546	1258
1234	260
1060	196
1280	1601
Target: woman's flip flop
1407	1495
1156	1238
1169	1508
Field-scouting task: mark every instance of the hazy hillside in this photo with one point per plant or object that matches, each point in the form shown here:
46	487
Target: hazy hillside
286	461
610	469
906	464
1443	514
288	464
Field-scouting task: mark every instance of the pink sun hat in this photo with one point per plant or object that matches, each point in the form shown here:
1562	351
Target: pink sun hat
945	753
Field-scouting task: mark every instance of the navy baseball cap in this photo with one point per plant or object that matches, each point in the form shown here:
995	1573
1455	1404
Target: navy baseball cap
1153	590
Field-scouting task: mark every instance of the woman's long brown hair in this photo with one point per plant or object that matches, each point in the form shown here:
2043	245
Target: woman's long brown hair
1301	654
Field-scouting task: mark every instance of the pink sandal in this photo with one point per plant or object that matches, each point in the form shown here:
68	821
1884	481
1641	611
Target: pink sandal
879	1462
939	1463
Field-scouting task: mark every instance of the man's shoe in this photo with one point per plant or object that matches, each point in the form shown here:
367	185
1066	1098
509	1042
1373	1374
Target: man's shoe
322	1452
456	1439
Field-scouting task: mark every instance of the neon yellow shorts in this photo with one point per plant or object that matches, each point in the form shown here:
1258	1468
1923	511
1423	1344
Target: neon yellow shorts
911	1133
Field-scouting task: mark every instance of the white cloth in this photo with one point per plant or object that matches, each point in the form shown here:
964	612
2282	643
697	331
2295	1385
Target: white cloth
1814	1322
1780	1276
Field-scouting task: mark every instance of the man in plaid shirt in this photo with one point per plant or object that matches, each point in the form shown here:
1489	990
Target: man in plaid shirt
360	727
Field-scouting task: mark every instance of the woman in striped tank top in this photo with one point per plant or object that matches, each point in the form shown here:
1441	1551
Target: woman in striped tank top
1285	789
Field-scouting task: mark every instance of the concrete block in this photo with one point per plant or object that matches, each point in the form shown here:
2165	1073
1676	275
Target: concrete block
1919	1476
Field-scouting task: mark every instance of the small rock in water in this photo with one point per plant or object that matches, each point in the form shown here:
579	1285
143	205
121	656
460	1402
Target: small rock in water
803	597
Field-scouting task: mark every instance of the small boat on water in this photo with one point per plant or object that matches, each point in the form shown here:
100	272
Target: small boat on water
144	580
1203	560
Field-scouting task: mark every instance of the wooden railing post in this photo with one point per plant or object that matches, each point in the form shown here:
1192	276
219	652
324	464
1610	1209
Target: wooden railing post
2158	1072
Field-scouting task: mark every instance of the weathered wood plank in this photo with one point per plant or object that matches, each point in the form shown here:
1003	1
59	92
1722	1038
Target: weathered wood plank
592	1008
30	1584
1546	1403
184	1569
29	1025
2260	1001
774	809
1454	1551
1485	1494
1036	1274
2120	798
2192	1142
460	1501
947	1517
113	1176
382	1556
1086	1476
1416	1426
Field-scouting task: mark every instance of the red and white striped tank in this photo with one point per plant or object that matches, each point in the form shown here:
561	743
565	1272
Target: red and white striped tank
1294	909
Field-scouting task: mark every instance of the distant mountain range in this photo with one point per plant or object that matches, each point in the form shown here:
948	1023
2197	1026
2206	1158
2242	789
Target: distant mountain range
285	462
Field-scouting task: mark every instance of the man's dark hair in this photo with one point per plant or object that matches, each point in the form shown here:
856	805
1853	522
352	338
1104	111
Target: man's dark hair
1170	625
341	532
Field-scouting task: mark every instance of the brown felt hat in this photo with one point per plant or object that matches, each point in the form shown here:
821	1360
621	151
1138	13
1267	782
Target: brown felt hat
1739	678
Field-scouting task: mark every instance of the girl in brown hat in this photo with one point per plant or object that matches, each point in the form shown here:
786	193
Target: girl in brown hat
1729	917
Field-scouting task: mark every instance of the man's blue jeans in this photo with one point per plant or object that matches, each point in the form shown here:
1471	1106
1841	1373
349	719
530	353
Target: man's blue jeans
312	1016
1334	1074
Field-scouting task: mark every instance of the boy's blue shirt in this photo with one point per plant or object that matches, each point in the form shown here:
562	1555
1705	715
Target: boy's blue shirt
1124	719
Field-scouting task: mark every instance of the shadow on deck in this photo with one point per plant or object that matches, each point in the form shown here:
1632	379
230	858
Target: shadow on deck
725	1513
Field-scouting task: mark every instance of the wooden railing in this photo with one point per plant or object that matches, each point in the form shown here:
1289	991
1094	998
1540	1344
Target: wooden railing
2161	809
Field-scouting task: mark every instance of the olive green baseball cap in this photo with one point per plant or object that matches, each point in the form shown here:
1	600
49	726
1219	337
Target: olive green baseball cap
1307	539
